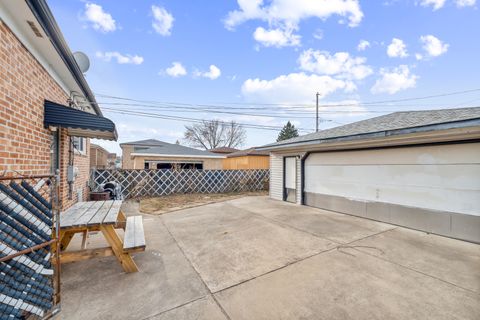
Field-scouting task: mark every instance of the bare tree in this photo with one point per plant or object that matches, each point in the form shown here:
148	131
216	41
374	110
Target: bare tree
214	134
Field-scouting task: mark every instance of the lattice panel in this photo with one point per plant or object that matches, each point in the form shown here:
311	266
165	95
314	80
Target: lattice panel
141	183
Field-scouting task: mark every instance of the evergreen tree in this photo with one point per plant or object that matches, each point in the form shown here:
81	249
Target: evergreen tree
288	131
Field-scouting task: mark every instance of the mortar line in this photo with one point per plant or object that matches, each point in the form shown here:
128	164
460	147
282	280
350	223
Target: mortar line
196	271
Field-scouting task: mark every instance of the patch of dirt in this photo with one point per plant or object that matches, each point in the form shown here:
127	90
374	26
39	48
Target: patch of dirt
173	202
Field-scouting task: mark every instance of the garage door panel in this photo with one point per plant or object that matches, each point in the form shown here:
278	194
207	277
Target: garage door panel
461	177
453	200
445	178
464	153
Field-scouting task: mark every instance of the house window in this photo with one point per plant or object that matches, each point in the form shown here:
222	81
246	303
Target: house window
146	165
80	144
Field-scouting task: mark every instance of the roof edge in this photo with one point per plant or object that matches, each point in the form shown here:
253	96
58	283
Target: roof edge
139	154
379	134
46	19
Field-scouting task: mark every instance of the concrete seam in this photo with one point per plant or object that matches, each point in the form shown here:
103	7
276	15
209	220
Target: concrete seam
276	269
285	225
176	307
196	271
417	271
370	235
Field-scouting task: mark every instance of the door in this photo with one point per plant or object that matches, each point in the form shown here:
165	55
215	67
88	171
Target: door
290	191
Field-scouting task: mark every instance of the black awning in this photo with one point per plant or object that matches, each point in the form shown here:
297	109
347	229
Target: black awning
78	123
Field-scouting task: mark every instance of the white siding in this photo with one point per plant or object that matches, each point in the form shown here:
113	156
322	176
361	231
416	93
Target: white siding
276	176
444	177
299	181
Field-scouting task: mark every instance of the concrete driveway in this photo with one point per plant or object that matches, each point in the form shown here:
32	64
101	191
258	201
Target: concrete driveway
256	258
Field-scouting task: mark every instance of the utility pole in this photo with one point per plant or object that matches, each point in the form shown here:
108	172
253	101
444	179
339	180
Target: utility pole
316	118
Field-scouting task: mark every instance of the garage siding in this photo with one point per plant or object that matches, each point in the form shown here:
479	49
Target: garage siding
276	176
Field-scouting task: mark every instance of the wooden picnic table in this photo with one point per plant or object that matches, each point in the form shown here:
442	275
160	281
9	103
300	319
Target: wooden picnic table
103	216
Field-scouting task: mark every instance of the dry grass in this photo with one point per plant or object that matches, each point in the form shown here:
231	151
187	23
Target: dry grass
160	205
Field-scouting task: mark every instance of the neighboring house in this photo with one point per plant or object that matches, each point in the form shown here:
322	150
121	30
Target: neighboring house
223	150
98	157
247	159
155	154
47	110
418	169
113	161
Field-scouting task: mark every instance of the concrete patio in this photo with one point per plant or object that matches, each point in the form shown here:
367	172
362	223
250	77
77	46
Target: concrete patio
256	258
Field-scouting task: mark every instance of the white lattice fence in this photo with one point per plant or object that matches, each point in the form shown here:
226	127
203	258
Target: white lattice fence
140	183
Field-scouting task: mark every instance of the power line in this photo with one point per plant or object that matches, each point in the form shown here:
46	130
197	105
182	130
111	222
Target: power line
195	107
301	104
262	115
176	118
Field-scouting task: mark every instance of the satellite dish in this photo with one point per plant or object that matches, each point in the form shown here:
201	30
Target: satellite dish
82	61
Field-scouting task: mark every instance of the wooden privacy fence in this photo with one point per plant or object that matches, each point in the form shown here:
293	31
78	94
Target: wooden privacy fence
141	183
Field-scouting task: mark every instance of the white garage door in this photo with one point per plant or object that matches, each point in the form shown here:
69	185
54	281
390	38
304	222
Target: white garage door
445	178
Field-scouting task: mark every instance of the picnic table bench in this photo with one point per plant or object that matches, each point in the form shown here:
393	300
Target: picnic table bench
104	216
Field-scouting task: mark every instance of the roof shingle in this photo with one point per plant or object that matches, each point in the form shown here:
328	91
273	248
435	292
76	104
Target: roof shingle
157	147
392	121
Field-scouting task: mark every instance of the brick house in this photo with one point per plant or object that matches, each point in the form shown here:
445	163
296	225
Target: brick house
98	157
47	110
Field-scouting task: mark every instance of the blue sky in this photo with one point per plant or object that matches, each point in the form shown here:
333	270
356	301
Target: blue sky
267	59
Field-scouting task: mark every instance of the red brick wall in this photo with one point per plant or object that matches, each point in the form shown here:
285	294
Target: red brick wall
24	142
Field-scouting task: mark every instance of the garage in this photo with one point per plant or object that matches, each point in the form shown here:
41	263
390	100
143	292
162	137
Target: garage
414	169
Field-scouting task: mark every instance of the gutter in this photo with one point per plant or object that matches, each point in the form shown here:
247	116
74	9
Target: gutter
387	134
45	18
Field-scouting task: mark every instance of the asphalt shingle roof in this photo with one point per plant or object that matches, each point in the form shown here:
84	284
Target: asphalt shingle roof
248	152
223	150
392	121
157	147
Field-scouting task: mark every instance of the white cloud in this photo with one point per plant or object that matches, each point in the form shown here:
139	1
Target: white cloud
465	3
363	45
100	19
213	73
394	80
292	11
292	88
279	37
397	49
433	46
436	4
176	70
340	64
162	21
283	17
121	58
